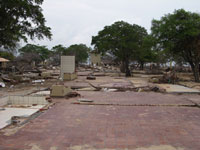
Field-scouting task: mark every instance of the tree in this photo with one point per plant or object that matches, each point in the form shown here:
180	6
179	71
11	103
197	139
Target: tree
145	53
7	55
121	39
59	49
35	50
21	19
80	51
57	52
179	33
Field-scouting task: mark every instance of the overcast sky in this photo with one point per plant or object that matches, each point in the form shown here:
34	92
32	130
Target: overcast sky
76	21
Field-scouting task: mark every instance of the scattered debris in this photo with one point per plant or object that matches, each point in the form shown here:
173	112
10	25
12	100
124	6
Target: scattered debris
85	100
72	94
91	78
2	109
38	81
2	84
15	120
109	90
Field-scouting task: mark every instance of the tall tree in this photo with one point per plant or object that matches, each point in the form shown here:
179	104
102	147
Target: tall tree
80	51
21	19
121	39
179	33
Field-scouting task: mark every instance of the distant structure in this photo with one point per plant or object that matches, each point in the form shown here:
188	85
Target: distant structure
67	68
3	62
95	58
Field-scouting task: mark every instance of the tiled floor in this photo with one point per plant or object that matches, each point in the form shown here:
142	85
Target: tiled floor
68	126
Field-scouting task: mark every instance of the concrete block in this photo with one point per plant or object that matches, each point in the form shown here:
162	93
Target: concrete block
59	91
67	65
69	76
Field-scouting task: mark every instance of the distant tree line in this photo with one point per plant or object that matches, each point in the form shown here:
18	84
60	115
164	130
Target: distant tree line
37	53
175	37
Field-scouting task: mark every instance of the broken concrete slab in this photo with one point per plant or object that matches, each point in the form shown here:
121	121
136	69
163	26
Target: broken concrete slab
8	113
41	93
172	88
19	106
138	82
87	89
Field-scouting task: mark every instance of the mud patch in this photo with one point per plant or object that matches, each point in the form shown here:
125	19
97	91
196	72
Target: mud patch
11	130
34	147
161	147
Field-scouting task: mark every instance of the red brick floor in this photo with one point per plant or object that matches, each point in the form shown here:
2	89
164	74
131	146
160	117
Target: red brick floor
69	126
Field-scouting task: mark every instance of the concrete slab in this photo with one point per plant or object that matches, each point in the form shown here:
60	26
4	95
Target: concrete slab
136	98
5	115
170	88
139	82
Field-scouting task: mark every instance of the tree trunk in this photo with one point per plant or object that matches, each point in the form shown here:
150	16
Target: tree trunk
128	72
141	66
195	69
122	67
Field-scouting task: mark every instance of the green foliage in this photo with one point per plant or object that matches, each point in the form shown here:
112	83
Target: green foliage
7	55
121	39
146	53
80	51
179	34
21	19
41	51
59	49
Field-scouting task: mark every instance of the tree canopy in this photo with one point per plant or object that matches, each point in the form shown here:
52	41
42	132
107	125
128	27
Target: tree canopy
7	55
179	34
40	51
80	51
21	19
59	49
121	39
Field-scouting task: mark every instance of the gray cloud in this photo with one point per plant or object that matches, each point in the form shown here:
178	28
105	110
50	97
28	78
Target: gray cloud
76	21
